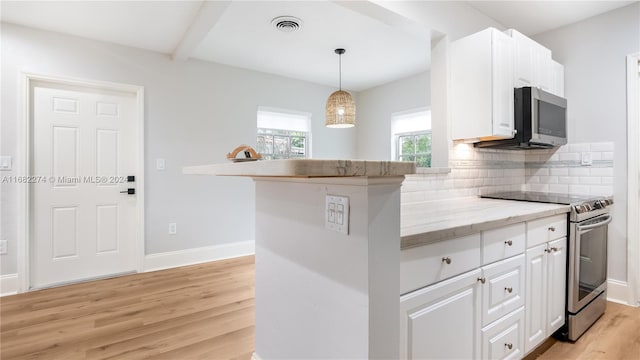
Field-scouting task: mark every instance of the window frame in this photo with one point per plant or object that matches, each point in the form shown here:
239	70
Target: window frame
415	154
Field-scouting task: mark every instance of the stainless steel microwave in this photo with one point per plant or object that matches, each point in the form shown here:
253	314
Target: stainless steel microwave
540	121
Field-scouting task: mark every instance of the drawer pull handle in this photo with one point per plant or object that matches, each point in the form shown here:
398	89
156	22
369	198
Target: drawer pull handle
547	250
508	289
482	279
509	346
552	228
447	260
554	249
509	242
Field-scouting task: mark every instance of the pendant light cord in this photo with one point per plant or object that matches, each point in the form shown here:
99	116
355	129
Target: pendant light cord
340	70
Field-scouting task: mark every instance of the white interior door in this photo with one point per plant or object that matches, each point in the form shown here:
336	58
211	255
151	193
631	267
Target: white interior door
84	146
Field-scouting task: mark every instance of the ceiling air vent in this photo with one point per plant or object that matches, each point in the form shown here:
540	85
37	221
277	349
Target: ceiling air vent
287	23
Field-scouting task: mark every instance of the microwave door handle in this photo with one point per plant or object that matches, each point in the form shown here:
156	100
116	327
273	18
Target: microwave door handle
606	221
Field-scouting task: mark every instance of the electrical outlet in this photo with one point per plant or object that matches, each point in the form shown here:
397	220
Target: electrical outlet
3	247
586	159
173	229
5	163
336	215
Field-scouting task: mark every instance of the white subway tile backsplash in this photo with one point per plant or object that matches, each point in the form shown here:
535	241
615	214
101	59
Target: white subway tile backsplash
588	180
601	171
569	156
596	156
607	156
579	147
559	171
541	172
579	189
564	179
607	180
579	171
559	188
600	190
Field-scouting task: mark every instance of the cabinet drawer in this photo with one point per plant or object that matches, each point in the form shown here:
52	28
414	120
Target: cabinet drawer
504	338
502	243
424	265
503	290
546	229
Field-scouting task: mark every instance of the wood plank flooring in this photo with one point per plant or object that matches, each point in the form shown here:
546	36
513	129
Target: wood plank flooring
202	311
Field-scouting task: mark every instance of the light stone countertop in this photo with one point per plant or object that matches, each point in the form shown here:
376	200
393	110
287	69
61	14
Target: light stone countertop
305	168
431	221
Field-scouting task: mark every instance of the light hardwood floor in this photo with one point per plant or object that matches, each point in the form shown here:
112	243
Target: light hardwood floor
196	312
200	312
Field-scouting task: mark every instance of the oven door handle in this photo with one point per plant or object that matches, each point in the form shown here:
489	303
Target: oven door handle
607	220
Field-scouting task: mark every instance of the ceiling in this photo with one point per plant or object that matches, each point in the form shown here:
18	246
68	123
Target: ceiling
535	17
380	47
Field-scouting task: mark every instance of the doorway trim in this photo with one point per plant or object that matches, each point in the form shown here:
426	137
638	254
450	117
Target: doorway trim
633	186
24	164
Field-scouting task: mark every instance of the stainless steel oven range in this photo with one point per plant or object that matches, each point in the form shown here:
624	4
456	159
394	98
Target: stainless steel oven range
587	256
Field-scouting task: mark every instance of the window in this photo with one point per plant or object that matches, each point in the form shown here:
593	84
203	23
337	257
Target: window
411	137
283	134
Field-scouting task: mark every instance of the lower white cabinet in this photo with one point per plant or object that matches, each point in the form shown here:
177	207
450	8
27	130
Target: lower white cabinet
442	321
504	339
503	288
545	291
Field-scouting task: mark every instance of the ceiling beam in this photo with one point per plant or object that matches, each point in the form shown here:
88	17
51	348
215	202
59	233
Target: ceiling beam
207	17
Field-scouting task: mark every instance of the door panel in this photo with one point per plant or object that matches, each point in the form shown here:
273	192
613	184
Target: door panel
557	284
82	226
535	309
442	321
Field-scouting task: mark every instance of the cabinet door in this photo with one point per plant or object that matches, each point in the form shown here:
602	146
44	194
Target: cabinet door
557	78
502	85
536	295
503	290
442	321
556	285
525	59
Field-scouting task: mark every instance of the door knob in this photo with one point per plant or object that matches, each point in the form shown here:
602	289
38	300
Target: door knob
482	279
508	346
129	191
446	260
509	242
508	289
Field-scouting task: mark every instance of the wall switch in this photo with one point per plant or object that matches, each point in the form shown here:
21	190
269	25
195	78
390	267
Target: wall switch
586	159
159	164
3	247
5	163
173	229
336	215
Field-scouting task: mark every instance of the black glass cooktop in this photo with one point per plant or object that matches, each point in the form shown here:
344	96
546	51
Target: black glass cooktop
532	196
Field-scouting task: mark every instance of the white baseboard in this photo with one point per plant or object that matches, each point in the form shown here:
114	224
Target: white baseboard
8	284
618	291
173	259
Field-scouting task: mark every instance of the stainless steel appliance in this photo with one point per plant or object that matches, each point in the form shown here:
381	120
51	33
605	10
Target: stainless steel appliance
540	121
588	223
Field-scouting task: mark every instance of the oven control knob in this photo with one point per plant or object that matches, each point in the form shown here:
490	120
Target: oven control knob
579	209
598	204
587	207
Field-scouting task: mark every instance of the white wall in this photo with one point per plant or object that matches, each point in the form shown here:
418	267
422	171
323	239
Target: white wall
375	106
593	52
195	112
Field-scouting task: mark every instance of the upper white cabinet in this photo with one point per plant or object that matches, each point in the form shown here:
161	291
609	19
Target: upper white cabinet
485	68
532	62
557	79
482	86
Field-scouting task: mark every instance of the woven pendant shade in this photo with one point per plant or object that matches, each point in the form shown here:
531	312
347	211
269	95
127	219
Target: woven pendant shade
341	110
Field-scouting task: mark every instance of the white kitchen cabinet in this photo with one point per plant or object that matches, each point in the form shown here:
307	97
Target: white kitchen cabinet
532	62
545	291
557	79
482	86
503	339
442	321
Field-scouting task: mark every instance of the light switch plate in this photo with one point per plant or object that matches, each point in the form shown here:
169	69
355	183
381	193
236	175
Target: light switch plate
5	163
336	213
173	228
159	164
586	159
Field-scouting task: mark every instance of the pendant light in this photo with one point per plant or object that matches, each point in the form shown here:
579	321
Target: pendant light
341	110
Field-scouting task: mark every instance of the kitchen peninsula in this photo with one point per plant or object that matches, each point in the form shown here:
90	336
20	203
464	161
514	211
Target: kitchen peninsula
364	289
